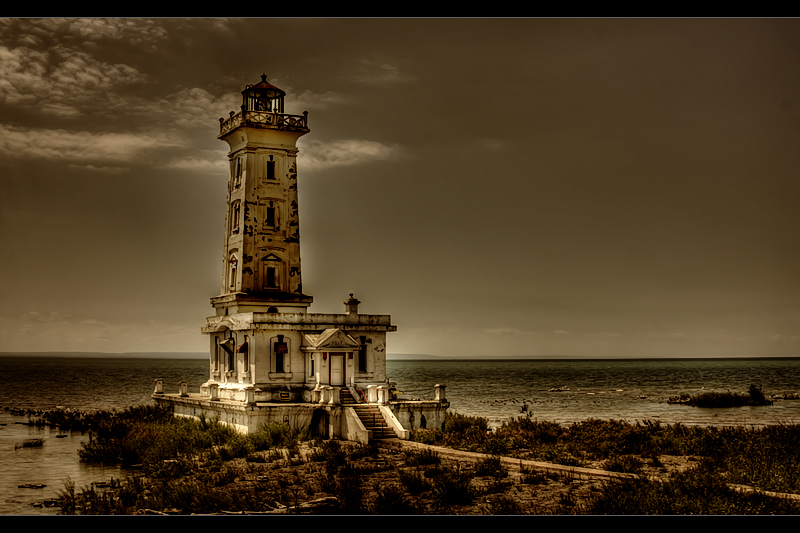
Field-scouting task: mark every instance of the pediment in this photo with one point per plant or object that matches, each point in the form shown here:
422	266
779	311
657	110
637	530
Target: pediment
332	339
271	257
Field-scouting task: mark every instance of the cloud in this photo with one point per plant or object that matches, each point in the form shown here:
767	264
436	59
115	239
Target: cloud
509	331
215	161
36	316
310	100
375	72
193	107
81	145
319	155
48	65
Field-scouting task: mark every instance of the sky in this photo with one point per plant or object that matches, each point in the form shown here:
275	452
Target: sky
501	187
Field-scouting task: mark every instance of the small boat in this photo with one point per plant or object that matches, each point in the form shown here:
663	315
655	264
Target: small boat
560	389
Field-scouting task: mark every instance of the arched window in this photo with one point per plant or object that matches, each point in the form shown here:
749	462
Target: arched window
233	263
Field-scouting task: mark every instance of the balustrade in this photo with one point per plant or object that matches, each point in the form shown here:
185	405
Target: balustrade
263	119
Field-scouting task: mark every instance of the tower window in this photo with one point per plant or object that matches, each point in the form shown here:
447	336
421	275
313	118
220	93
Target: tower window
270	170
271	216
233	262
236	211
237	172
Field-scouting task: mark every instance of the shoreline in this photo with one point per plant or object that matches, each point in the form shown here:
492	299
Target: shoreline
471	475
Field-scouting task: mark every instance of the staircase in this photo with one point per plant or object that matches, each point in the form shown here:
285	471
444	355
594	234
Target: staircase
370	416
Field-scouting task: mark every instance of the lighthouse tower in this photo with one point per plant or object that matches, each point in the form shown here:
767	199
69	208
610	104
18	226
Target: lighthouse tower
270	360
261	247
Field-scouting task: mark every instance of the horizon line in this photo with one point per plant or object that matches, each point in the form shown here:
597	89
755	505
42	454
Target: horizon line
411	357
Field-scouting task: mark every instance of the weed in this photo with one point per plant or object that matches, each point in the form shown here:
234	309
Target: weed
503	505
490	466
391	500
426	456
624	463
361	451
413	481
452	488
349	490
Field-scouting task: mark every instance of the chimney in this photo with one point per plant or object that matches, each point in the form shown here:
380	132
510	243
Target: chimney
351	305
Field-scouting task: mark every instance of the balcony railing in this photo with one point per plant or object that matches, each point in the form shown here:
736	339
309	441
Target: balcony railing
264	119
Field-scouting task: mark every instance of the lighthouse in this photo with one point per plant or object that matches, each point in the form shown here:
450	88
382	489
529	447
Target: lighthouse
270	359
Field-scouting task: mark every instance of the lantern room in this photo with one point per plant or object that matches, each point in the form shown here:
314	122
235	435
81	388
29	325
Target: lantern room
263	97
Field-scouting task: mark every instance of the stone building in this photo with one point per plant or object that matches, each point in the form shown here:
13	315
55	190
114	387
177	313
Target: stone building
270	360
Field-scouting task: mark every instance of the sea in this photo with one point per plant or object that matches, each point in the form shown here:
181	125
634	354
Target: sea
559	390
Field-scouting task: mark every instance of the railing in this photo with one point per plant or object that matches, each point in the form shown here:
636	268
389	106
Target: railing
374	414
264	119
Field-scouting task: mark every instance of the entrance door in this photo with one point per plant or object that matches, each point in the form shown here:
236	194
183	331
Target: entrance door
337	369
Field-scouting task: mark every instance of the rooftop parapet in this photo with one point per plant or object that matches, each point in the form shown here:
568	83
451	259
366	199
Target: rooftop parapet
311	320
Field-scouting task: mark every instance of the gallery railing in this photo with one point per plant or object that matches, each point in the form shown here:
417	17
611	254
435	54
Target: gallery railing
263	119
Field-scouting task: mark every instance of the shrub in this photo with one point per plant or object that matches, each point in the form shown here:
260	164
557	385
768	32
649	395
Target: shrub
391	500
504	505
490	466
413	481
624	463
425	456
452	488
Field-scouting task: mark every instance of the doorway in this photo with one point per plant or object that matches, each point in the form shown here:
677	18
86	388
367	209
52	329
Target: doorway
337	369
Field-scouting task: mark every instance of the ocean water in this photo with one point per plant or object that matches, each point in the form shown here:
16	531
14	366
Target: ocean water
631	390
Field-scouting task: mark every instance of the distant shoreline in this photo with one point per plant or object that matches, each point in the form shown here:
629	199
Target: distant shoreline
396	357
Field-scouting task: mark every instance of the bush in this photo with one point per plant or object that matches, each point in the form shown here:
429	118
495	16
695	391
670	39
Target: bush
625	463
504	505
413	481
490	466
425	456
452	488
391	500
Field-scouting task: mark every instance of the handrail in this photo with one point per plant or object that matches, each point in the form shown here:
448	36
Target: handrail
374	415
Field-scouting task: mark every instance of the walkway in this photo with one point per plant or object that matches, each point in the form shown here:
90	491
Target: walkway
571	471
